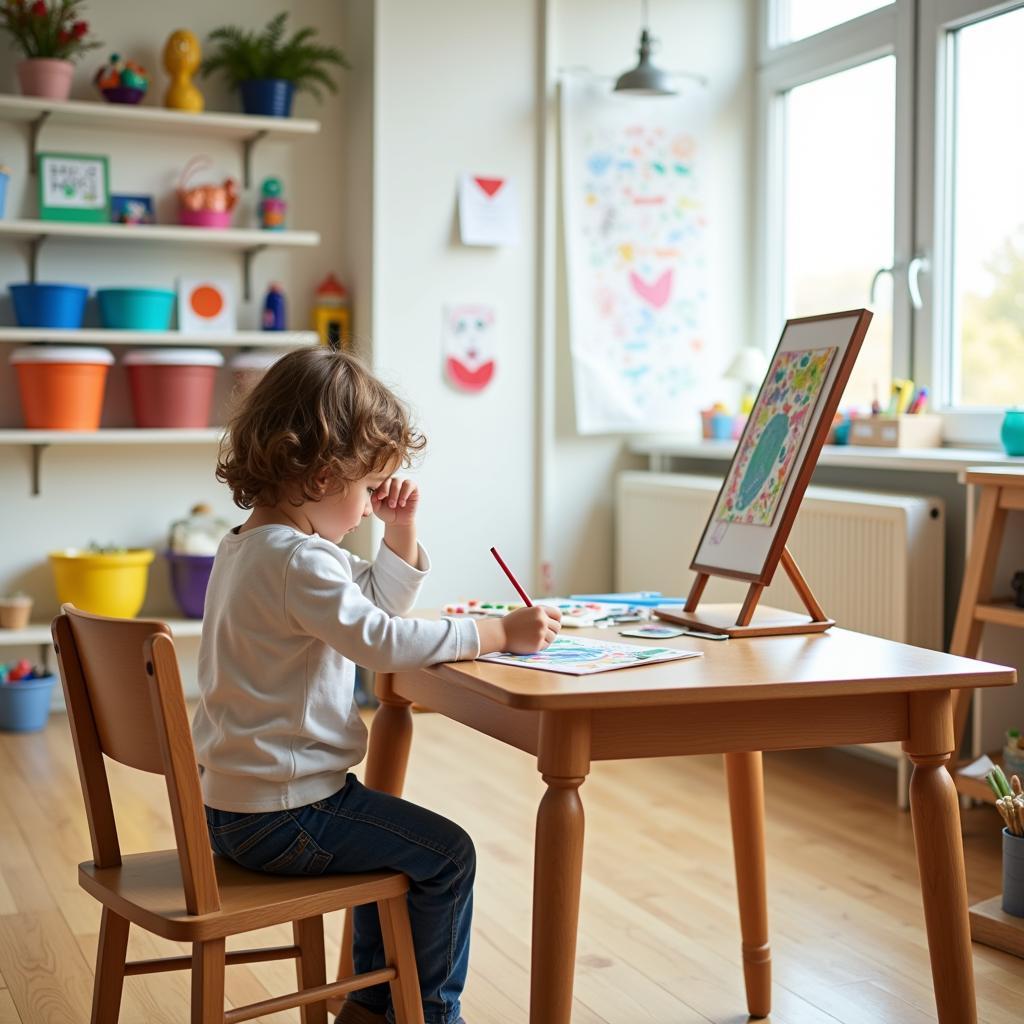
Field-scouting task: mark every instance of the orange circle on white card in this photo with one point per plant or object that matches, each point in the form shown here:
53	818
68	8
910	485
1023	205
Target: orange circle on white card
206	301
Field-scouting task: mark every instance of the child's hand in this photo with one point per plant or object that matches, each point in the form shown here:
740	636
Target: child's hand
395	502
528	630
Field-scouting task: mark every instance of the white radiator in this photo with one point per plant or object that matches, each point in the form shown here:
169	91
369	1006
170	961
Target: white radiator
874	561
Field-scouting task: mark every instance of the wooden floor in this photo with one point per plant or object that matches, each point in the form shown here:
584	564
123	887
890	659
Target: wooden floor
658	932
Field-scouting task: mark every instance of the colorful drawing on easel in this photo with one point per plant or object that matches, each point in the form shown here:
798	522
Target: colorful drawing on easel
635	228
774	434
585	656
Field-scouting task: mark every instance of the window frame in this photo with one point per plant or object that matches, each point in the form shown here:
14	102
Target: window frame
887	31
919	34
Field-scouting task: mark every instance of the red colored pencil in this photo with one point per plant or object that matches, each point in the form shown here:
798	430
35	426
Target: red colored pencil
515	583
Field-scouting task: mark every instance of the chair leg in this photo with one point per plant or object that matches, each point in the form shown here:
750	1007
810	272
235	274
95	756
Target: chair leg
208	982
310	967
110	957
401	954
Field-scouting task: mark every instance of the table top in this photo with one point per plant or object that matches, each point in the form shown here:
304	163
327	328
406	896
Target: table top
835	663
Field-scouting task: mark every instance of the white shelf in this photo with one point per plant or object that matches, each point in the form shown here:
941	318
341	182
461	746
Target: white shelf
112	435
100	336
136	117
239	239
921	460
39	632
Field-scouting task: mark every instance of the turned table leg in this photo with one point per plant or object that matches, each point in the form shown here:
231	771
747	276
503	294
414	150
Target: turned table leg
940	855
564	761
746	809
386	761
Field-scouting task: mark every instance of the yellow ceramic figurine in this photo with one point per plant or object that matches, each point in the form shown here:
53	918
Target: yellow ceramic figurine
181	59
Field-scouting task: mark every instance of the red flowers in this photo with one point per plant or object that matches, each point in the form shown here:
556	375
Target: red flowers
79	29
38	9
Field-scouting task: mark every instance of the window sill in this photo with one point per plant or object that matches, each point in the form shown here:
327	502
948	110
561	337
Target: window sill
919	460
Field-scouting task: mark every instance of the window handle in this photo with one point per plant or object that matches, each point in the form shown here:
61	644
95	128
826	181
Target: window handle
878	275
918	265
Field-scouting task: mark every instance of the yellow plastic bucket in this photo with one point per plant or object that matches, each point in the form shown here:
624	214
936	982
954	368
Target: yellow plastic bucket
104	584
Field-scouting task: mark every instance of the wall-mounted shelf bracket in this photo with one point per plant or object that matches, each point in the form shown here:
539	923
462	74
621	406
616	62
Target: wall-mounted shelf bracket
34	128
248	145
34	245
247	255
37	459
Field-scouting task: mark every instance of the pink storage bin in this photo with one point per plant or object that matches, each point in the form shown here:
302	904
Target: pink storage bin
248	368
206	218
172	387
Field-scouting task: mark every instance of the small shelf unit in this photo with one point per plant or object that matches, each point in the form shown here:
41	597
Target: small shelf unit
40	440
207	339
39	632
247	129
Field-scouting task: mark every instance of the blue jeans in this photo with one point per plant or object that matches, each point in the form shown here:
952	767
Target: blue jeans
359	829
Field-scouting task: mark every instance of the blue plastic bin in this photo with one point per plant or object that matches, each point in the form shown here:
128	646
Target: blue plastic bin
25	706
49	305
136	309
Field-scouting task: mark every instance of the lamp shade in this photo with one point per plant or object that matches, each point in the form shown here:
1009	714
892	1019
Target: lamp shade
645	79
748	366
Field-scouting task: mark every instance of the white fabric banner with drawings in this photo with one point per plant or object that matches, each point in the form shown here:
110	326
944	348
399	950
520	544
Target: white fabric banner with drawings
635	227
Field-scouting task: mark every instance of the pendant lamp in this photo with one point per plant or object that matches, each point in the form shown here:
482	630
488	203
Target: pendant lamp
645	79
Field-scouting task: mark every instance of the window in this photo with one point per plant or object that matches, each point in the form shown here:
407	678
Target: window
802	18
892	179
986	347
832	193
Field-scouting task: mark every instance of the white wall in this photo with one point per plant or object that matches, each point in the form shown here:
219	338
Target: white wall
716	39
455	91
130	495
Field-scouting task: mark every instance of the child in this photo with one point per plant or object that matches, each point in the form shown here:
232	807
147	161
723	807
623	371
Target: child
289	614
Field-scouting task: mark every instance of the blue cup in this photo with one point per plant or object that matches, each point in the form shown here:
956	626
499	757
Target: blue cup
4	179
721	426
25	705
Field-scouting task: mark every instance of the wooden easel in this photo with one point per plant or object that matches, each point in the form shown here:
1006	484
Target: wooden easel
740	620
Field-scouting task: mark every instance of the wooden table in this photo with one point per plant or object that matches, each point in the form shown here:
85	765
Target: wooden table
741	698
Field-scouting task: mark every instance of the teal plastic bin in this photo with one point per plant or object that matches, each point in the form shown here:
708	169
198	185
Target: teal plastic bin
136	309
25	706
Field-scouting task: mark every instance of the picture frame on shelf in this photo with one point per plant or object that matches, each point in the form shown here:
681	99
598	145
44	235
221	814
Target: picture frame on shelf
74	187
131	209
206	304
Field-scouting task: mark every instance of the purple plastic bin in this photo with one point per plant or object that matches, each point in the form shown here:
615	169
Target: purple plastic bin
190	575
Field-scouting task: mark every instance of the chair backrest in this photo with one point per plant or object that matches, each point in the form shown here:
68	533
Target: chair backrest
124	699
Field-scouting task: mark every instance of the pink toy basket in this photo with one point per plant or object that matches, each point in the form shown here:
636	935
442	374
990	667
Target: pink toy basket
205	206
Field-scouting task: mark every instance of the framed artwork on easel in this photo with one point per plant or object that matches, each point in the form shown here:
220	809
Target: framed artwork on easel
750	521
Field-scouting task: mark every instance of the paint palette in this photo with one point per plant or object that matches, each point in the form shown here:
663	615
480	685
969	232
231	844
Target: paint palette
586	656
575	614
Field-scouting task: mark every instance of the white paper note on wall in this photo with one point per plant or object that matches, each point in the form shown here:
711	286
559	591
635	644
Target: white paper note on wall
488	210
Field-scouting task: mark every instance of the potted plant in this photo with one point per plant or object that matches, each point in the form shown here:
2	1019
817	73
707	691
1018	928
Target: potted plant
268	69
49	35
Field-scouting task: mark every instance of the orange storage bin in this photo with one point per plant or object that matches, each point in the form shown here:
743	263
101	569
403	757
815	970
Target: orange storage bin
61	386
172	387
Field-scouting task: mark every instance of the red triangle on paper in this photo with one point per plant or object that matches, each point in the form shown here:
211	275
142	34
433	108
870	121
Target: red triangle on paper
490	185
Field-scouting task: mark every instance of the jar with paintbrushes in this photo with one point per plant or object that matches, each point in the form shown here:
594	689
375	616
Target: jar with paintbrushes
1010	804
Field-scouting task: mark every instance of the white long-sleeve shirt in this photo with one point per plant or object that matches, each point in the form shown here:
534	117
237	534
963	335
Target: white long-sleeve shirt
288	616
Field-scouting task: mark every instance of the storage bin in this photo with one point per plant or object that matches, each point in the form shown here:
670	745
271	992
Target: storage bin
136	309
172	387
49	305
190	576
15	611
918	430
248	368
61	386
25	706
102	583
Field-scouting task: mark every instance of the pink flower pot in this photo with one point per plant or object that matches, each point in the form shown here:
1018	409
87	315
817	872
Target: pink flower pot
46	77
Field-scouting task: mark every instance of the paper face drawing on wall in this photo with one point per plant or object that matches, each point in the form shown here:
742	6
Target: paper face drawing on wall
205	304
467	338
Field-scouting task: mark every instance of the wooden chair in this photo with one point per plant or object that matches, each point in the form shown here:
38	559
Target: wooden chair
125	700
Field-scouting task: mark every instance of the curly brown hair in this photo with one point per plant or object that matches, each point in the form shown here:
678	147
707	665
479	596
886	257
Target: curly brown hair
315	409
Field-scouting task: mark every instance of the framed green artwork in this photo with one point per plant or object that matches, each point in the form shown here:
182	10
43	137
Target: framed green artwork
74	186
